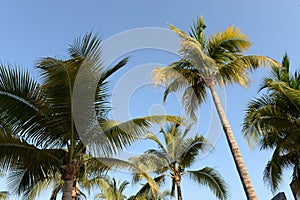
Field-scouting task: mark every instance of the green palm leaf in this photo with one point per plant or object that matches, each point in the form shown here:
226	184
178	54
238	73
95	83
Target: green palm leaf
209	177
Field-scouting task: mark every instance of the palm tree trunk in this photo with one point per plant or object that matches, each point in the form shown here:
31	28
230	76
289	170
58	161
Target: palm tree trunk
68	190
179	194
235	151
69	175
177	179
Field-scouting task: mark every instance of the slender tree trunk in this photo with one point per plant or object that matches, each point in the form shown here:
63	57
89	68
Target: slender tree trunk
69	175
235	151
179	194
68	190
177	178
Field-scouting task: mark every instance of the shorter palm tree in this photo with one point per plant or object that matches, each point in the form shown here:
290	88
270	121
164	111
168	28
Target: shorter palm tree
176	153
111	189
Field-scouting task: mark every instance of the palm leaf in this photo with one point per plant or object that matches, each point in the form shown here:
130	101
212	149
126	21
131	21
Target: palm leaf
209	177
121	164
145	192
231	40
193	146
117	135
235	71
197	31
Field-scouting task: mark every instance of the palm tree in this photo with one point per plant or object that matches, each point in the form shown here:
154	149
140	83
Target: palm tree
273	122
42	139
111	189
176	153
205	64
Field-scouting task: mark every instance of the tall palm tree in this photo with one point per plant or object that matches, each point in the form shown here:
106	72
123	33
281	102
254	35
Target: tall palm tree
176	153
273	122
205	64
42	139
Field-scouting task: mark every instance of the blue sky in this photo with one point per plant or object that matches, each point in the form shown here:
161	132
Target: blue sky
34	29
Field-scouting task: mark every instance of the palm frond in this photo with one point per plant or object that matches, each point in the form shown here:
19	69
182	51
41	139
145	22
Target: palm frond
111	189
116	135
292	94
21	104
14	151
182	76
152	161
211	178
125	165
197	31
107	73
153	137
231	40
235	71
193	147
39	187
87	47
273	175
146	193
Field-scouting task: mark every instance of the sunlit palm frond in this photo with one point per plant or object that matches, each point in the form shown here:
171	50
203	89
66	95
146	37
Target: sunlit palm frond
146	193
191	100
153	137
111	189
231	40
292	94
152	161
192	51
115	163
181	76
235	71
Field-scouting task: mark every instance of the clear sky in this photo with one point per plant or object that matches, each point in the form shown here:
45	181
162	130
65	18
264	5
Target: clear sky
34	29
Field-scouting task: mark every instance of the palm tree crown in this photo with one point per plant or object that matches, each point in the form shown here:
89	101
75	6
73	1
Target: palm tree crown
272	121
176	153
39	138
